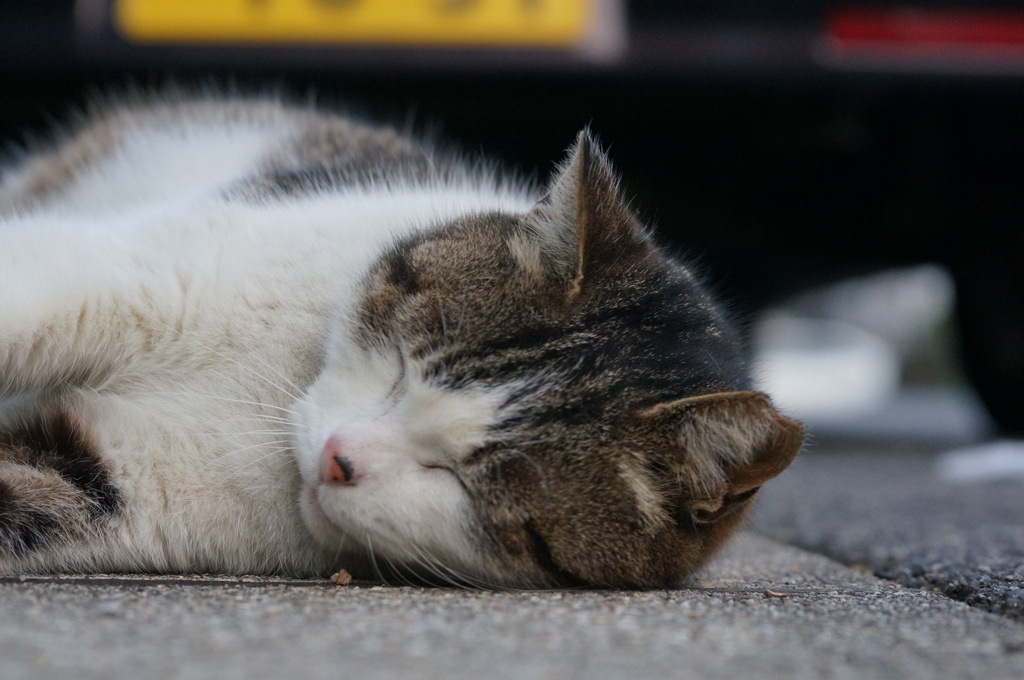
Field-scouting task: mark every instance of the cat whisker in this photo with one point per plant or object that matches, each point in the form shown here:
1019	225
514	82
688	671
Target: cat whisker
259	418
373	560
255	461
208	396
218	433
422	558
340	551
294	393
398	572
436	571
256	486
285	443
221	433
423	567
453	576
461	579
225	460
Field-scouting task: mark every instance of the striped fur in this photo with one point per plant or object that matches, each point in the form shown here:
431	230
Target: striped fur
54	486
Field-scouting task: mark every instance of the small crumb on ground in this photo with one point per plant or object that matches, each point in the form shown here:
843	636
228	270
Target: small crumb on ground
342	578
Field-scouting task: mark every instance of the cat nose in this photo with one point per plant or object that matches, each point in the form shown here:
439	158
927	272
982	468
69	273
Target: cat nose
335	467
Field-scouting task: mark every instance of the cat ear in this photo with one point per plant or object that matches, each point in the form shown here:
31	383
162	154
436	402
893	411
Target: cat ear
729	445
582	224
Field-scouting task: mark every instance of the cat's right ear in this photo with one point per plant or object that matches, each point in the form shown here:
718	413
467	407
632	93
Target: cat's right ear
726	446
581	228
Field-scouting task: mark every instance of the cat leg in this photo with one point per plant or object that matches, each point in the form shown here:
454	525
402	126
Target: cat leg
56	496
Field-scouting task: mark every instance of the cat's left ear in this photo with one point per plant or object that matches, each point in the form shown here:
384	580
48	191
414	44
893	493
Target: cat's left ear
726	446
582	224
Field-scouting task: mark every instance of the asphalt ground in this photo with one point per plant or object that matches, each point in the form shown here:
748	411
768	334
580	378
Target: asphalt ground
886	508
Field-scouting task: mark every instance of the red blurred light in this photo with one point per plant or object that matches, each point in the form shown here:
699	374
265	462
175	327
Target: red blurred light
908	30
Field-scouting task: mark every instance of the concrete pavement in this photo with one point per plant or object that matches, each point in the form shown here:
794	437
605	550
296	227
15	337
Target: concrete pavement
830	622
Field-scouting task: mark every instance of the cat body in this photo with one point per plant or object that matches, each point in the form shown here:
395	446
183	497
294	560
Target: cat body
238	336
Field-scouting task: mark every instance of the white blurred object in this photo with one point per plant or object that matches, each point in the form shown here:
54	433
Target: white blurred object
836	356
996	460
821	369
899	305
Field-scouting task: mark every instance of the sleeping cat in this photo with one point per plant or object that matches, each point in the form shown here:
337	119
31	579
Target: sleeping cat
240	336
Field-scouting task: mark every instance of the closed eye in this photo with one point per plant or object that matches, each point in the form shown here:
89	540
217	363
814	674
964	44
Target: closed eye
444	469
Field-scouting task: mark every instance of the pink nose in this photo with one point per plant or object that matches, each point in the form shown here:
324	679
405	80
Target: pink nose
334	466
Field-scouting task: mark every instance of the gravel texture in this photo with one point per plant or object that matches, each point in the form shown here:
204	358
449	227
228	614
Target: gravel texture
762	611
889	512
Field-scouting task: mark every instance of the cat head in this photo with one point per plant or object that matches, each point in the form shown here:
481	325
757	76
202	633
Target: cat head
536	400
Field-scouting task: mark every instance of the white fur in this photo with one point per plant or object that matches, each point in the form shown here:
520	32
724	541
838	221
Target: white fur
193	324
403	437
188	161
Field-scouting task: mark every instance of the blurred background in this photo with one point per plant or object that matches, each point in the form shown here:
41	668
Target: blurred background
848	173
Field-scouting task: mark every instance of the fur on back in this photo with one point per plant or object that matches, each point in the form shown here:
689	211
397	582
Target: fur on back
243	336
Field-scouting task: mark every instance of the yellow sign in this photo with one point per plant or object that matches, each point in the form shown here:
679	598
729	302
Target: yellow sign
541	23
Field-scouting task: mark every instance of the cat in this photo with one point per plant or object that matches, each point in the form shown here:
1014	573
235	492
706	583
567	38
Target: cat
243	336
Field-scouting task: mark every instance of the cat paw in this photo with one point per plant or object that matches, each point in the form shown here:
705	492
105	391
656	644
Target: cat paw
54	491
